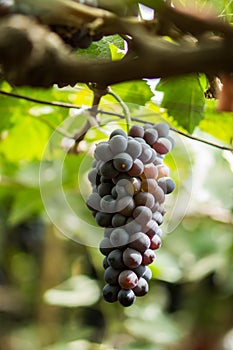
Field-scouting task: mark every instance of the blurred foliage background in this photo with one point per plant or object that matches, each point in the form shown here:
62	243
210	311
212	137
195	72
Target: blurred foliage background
51	273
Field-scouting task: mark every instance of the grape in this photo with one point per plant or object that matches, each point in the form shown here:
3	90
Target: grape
142	287
106	180
108	204
120	176
142	214
148	257
140	270
118	132
114	193
110	293
108	170
105	263
125	206
93	201
148	126
150	171
162	129
132	258
148	274
115	259
137	168
146	154
126	297
163	170
144	199
124	187
136	184
108	231
159	195
132	226
161	209
94	162
103	152
171	140
128	279
149	185
159	232
136	131
155	242
167	184
134	148
111	275
151	228
104	189
105	246
118	220
118	144
139	241
122	162
162	146
119	237
157	216
140	140
153	157
151	136
103	219
92	176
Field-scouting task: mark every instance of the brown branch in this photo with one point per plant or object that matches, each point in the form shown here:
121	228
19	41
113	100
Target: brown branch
188	22
47	61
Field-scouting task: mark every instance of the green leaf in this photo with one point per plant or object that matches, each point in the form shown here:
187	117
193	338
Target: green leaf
137	93
26	204
115	53
101	49
26	140
184	100
219	125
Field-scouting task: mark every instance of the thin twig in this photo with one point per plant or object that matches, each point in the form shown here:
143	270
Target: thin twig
124	107
31	99
210	143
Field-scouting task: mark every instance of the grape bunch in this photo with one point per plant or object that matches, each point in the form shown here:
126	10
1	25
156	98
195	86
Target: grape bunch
129	183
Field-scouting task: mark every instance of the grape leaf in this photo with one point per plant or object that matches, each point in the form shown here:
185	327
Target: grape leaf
184	100
214	121
134	92
101	48
26	140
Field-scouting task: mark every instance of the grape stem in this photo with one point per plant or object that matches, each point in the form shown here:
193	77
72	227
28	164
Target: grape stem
124	107
99	111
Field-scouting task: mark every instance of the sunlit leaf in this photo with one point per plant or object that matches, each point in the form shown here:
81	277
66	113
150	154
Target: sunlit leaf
220	125
138	93
101	48
76	291
184	100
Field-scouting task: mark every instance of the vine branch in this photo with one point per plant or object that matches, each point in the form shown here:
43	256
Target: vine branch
32	55
124	107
